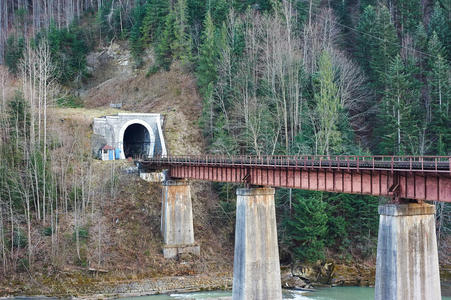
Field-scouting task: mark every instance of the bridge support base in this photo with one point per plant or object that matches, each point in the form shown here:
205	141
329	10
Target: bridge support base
256	267
407	257
177	219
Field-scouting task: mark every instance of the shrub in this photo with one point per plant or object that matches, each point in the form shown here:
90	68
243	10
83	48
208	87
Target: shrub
20	239
70	102
47	231
14	53
83	234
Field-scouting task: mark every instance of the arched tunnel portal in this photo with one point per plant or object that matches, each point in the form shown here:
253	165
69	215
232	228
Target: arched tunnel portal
137	141
136	135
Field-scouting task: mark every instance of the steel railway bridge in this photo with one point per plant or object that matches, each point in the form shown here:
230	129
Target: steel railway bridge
399	177
407	257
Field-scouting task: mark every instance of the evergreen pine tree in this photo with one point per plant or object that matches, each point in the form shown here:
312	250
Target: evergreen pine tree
366	39
400	123
163	48
421	37
181	45
352	218
68	48
154	20
439	79
377	44
387	45
307	227
208	56
365	3
442	26
408	14
219	10
136	42
434	49
196	10
421	41
14	52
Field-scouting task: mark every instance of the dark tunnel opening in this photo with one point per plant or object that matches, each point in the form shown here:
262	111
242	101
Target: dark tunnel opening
136	141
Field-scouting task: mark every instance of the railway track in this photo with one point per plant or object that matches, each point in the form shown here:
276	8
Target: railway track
438	164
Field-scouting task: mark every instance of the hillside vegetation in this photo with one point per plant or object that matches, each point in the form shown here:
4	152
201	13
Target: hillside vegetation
231	77
104	218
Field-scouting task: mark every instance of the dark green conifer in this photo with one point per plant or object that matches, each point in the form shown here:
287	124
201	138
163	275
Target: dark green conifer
307	226
439	81
163	48
14	52
399	112
421	37
181	45
377	44
408	14
442	26
154	19
208	56
136	42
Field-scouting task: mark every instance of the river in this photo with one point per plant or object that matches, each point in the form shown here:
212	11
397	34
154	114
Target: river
336	293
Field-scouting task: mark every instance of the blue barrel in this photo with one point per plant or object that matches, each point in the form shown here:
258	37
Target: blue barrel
118	153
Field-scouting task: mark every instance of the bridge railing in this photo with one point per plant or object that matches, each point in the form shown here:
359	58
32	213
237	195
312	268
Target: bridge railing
438	164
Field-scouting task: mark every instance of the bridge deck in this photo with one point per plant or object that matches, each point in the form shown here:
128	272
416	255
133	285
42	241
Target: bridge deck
412	177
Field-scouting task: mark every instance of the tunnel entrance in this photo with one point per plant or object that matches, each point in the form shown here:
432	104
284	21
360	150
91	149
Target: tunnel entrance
136	141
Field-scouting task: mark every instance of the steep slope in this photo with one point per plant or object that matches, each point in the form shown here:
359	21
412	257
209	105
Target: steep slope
131	219
122	243
172	93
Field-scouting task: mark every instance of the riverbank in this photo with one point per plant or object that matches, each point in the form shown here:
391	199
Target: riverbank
96	286
98	283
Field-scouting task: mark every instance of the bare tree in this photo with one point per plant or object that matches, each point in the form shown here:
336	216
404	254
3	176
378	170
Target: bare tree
39	13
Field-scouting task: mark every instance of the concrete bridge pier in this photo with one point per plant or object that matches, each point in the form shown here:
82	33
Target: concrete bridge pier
256	267
177	219
407	257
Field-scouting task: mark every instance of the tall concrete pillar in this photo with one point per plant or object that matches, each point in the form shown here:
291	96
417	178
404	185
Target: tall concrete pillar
407	257
177	219
256	267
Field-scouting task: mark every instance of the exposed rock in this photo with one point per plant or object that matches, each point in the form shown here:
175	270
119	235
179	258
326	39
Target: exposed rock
334	274
290	281
305	272
318	273
353	275
325	272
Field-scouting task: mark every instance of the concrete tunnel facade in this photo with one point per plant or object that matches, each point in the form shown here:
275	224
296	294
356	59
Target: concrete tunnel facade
132	134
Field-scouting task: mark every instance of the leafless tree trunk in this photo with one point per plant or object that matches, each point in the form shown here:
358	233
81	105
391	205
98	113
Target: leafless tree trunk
76	220
2	234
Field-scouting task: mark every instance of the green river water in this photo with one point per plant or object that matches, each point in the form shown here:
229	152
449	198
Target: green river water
335	293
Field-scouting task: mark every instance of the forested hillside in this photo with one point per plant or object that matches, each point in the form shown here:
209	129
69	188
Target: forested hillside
275	77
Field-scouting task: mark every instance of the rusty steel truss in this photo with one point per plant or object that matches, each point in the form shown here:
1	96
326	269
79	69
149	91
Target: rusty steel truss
398	177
